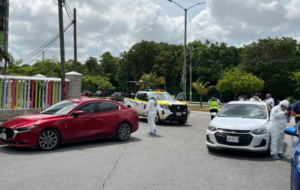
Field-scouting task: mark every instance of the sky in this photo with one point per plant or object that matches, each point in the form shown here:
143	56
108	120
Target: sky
116	25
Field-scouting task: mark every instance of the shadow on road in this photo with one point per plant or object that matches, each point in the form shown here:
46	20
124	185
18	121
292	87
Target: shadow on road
82	146
167	123
244	155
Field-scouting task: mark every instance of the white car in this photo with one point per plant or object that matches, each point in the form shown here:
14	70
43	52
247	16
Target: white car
240	125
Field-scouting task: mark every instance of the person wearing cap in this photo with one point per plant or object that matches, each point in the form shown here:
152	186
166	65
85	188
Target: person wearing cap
276	126
151	109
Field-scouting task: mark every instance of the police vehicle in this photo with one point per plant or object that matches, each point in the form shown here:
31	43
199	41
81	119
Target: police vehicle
169	108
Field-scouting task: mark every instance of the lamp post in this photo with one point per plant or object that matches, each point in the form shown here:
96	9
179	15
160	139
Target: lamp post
184	63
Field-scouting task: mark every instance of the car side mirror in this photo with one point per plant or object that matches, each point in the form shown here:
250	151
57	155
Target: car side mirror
79	112
291	131
180	99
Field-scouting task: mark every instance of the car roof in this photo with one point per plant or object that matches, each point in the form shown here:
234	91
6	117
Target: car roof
84	100
151	92
247	102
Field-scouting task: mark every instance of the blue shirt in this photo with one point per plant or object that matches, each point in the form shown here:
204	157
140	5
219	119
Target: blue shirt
296	108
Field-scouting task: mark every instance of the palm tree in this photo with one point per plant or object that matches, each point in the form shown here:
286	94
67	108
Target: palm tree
153	79
7	56
201	89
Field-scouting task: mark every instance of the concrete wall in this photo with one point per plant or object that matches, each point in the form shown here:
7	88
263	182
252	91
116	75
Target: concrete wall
74	87
9	114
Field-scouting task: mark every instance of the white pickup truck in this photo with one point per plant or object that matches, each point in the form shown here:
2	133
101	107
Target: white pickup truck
169	108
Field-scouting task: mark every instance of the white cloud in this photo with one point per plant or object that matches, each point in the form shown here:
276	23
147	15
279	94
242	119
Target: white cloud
292	9
117	25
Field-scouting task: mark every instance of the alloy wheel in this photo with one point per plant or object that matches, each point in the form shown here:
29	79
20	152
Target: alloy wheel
124	131
48	140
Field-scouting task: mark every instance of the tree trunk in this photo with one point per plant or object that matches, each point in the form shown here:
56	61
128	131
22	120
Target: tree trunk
201	101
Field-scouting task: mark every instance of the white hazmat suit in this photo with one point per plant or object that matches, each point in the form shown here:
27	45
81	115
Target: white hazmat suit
151	108
277	125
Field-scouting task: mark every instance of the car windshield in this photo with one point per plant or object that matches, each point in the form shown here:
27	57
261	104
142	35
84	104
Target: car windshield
163	96
60	108
244	111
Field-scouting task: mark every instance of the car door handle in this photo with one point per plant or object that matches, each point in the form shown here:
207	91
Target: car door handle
93	118
116	116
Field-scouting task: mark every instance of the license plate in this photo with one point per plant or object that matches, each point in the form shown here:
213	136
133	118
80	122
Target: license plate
232	139
184	113
3	136
178	114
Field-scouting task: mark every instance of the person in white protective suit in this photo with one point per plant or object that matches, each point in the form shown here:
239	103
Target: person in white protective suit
277	125
151	108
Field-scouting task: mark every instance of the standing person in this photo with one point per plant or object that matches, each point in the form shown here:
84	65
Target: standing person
243	98
277	125
152	112
255	98
296	111
270	100
213	106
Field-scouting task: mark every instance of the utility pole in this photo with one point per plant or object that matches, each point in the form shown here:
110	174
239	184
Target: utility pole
165	85
184	64
190	75
62	47
75	41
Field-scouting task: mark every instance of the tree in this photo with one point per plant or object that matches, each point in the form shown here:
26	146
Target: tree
240	82
109	67
102	83
6	56
201	89
92	66
153	79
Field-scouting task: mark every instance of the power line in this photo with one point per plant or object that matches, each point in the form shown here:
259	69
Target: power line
46	46
55	2
68	10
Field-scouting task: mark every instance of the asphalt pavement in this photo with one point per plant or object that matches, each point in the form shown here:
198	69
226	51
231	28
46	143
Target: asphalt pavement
176	159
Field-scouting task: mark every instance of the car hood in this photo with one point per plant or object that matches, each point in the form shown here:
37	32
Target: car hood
238	123
24	120
169	102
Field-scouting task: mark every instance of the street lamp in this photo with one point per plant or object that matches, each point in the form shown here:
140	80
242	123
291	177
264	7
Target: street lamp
165	76
184	63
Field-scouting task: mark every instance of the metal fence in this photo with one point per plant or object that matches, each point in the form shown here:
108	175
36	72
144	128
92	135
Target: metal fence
18	92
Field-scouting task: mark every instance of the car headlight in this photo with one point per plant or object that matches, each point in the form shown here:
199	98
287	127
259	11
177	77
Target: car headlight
164	106
259	131
212	128
25	129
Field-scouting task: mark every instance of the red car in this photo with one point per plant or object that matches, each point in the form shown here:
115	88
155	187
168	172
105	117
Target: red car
69	121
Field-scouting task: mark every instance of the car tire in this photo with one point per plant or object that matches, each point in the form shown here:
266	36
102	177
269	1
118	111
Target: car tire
182	122
210	149
123	131
157	120
49	140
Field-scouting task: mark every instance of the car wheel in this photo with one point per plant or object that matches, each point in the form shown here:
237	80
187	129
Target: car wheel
123	131
157	120
210	149
49	139
182	121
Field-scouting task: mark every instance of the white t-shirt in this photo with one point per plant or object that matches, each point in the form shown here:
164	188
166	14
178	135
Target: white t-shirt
270	101
254	100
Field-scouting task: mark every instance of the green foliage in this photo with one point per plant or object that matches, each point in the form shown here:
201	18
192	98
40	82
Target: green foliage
201	89
240	82
6	56
153	79
102	83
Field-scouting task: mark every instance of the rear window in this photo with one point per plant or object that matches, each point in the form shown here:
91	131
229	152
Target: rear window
244	111
105	107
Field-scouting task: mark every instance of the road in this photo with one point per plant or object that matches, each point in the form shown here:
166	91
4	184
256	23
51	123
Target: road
176	159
